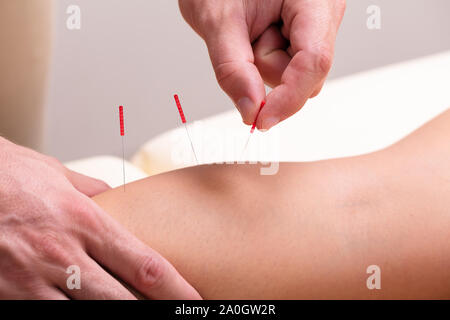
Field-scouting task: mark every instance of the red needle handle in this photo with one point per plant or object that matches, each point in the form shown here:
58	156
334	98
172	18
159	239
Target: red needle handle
257	115
122	126
180	110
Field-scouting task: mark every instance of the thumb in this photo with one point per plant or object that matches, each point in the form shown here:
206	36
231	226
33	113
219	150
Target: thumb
233	61
86	185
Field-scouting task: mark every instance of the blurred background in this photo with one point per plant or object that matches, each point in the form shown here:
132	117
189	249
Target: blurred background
138	53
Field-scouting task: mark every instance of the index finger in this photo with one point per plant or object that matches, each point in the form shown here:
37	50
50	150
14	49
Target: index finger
141	267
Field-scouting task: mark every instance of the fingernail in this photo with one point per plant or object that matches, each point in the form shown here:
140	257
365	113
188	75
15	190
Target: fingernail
245	106
269	123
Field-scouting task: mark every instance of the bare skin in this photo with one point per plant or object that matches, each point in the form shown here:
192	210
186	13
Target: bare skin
48	221
309	231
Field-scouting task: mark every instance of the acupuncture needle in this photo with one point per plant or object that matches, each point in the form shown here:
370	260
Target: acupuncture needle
183	120
252	129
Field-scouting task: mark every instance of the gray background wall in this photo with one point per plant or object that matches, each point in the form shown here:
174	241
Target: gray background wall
139	52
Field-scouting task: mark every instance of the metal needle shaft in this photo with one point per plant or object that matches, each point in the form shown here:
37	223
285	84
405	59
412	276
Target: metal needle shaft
245	147
252	129
192	145
123	162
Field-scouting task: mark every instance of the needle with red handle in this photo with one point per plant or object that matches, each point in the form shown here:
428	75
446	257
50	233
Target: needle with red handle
253	127
183	119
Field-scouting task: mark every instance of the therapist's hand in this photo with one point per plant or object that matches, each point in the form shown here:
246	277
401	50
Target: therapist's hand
48	223
289	44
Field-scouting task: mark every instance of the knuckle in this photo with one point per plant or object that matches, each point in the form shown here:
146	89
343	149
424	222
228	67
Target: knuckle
225	72
150	273
53	162
88	223
90	219
208	21
68	206
322	61
83	211
49	247
207	18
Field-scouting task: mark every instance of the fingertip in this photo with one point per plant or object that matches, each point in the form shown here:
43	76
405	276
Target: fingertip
266	123
246	108
96	186
87	185
191	293
180	288
175	287
266	116
281	104
102	185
